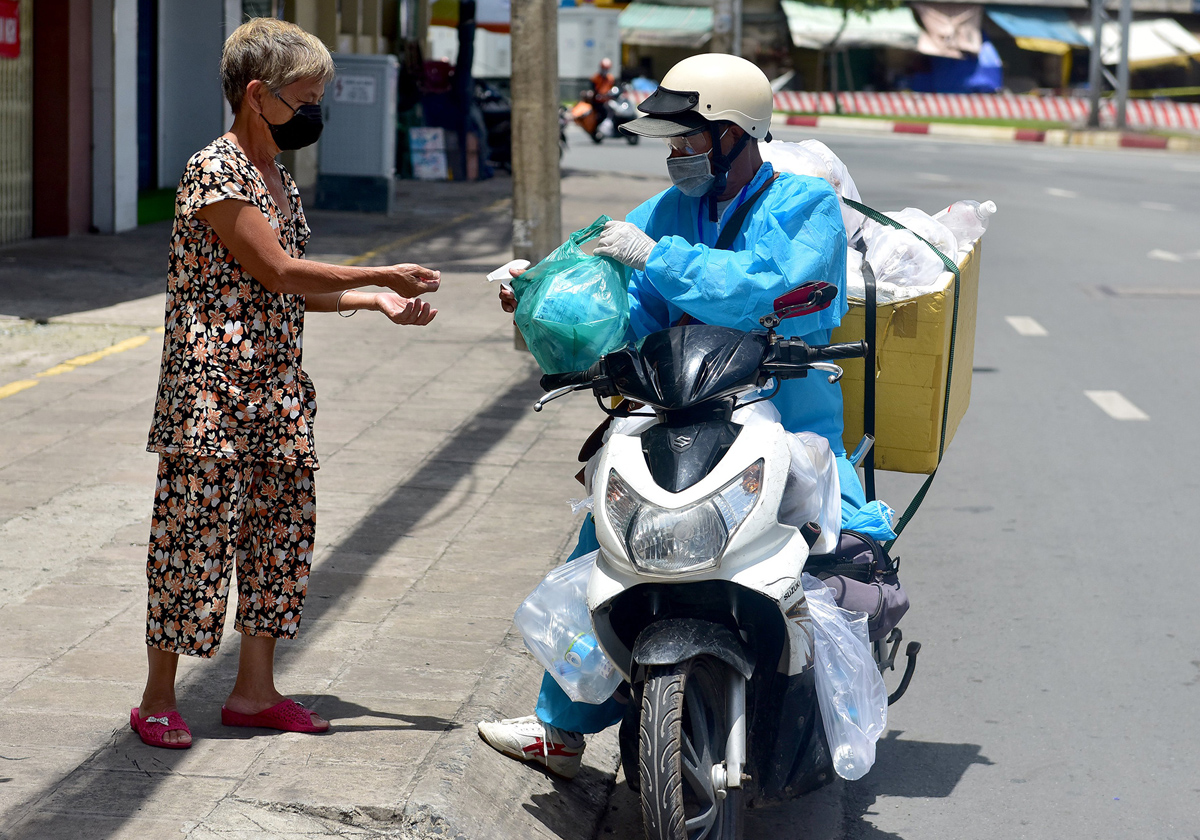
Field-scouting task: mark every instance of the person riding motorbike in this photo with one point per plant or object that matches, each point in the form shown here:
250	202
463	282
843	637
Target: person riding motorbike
712	111
591	111
602	84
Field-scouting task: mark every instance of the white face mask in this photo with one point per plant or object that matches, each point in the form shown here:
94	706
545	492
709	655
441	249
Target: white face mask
691	175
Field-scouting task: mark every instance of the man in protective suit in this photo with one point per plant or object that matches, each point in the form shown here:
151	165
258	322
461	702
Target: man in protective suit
712	111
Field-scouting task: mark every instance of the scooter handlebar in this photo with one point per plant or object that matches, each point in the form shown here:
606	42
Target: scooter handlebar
552	381
831	352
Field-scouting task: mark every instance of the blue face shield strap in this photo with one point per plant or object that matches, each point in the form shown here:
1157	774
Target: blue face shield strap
721	166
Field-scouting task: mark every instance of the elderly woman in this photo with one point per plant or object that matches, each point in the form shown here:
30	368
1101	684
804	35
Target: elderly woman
233	422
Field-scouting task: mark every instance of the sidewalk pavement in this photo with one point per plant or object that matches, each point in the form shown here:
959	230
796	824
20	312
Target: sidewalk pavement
997	134
442	502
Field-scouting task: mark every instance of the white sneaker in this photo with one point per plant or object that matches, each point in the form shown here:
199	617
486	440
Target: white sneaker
528	739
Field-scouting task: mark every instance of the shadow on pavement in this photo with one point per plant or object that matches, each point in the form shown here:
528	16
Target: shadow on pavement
61	806
908	769
335	709
560	811
53	276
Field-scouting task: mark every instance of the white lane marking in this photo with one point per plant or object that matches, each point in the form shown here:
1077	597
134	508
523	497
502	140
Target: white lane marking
1116	406
934	176
1186	167
1057	193
1024	325
1157	205
1165	256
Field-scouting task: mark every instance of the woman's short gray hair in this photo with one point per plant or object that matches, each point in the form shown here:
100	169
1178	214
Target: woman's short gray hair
274	52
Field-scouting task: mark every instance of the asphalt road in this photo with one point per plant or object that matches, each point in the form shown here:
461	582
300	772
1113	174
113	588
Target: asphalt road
1051	569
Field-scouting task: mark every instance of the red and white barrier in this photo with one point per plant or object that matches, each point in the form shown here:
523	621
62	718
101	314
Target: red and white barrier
1140	113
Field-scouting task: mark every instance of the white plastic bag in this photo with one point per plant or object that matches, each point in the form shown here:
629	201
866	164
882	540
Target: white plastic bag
920	223
557	629
813	492
898	257
850	690
815	159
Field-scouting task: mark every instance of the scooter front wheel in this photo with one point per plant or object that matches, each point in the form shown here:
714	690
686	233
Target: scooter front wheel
631	139
684	729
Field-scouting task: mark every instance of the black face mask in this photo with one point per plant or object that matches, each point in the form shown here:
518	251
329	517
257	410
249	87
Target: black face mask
301	130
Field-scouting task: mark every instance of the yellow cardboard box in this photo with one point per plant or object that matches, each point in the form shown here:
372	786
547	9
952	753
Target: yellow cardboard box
913	341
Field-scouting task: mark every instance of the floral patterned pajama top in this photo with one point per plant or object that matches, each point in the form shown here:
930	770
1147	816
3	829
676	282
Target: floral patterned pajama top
231	383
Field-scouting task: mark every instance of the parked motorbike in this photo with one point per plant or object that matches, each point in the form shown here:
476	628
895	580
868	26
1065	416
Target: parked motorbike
497	119
609	115
696	594
564	119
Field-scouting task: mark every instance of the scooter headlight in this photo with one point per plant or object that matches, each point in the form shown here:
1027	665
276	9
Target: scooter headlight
688	539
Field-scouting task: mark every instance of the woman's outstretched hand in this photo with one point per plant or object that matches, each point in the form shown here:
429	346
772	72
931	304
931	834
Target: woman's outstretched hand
410	280
402	310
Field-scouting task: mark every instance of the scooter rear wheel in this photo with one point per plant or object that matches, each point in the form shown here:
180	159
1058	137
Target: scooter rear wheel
684	729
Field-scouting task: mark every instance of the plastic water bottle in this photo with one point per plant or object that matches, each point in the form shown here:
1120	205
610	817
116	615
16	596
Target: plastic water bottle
967	220
846	763
584	665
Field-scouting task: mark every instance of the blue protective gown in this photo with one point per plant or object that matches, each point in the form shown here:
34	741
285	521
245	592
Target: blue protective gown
793	235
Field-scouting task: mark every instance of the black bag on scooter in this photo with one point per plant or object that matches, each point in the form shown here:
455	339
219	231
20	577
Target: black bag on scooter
864	579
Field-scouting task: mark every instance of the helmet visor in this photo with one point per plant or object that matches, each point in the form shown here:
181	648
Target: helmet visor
675	125
669	113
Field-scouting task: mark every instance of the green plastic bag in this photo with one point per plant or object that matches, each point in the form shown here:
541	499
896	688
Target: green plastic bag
573	308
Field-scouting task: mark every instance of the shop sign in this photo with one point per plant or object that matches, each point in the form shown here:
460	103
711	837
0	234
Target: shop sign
357	90
10	29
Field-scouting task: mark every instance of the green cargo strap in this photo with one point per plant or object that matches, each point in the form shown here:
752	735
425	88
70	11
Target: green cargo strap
952	267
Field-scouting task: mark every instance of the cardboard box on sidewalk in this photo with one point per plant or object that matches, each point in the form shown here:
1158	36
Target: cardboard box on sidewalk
913	350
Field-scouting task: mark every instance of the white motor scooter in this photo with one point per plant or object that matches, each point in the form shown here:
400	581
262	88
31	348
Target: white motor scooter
696	595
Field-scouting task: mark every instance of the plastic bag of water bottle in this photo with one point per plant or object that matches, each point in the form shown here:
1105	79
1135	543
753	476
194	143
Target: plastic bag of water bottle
850	689
557	628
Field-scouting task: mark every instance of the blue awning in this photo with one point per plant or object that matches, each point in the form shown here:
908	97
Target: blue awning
1040	23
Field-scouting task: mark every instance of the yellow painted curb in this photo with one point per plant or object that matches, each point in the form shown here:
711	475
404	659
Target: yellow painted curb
70	364
421	234
88	358
16	387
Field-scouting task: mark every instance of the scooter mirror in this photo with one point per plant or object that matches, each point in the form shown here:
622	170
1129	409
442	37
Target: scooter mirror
806	299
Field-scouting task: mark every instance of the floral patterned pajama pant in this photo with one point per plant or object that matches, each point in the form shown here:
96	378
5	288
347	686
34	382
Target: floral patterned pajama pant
210	516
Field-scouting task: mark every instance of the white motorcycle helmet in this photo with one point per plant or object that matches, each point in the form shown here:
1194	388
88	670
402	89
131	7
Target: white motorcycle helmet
702	93
704	89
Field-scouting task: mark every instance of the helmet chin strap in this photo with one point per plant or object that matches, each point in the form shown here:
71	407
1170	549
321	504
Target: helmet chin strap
721	165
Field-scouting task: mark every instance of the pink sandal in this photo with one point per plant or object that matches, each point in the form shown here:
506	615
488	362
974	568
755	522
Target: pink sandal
152	728
287	716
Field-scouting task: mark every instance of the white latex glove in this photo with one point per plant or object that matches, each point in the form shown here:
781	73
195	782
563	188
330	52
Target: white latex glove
626	243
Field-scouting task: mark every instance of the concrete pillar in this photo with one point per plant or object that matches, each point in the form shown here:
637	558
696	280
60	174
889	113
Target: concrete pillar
1126	18
722	34
1095	68
114	115
351	26
537	201
329	23
737	28
371	40
537	197
62	117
